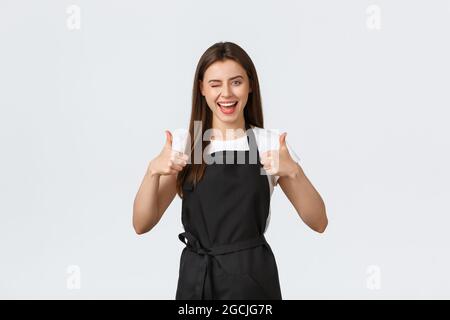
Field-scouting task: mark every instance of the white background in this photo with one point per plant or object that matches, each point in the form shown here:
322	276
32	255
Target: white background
84	110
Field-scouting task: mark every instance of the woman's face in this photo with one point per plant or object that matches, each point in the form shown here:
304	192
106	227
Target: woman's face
225	87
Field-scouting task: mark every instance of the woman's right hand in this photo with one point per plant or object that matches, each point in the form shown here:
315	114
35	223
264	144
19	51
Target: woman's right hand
169	161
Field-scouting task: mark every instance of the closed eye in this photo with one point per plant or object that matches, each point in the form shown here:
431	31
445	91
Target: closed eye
237	82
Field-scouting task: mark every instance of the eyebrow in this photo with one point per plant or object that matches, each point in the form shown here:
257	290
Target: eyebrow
238	76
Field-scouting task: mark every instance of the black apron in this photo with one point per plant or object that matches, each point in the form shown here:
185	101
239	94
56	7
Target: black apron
224	218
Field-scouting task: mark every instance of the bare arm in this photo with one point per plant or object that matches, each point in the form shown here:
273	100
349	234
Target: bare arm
158	188
296	186
306	200
154	196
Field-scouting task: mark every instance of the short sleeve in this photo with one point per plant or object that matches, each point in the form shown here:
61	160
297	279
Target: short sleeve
294	156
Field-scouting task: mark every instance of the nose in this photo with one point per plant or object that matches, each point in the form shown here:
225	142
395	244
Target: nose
226	91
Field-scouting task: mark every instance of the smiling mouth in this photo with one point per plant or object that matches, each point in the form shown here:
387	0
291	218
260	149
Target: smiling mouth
227	104
227	107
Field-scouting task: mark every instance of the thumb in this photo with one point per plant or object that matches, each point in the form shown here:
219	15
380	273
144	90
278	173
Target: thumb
283	140
169	139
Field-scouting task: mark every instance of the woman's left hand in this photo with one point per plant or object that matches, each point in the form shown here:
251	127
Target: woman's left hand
279	162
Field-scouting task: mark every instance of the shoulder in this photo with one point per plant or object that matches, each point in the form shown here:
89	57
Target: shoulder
266	132
267	139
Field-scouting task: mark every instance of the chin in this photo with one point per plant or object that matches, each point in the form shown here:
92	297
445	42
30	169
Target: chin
231	118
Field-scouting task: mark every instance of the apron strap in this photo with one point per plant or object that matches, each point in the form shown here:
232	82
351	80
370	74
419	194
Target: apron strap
252	145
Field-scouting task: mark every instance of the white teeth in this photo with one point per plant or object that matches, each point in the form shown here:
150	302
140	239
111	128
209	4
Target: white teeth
227	104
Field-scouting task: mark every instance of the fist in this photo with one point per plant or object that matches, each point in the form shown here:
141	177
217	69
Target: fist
169	161
279	162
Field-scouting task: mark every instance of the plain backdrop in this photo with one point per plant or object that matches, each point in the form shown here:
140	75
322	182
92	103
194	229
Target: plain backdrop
361	87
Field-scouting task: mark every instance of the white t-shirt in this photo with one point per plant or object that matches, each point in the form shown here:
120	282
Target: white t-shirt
266	139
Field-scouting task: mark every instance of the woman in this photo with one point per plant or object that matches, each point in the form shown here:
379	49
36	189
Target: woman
225	204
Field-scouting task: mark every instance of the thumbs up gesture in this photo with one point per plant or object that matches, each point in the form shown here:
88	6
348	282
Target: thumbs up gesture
169	161
279	162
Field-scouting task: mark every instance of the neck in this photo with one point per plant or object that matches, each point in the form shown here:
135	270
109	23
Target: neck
228	131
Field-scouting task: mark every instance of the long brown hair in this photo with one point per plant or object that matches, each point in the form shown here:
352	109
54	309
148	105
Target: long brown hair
193	172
